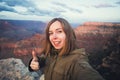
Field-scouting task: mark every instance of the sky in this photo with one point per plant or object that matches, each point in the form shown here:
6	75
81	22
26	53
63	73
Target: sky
75	11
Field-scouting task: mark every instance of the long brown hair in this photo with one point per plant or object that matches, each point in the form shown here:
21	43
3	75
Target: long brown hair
70	42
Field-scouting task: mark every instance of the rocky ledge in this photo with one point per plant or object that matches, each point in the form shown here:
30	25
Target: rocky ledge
14	69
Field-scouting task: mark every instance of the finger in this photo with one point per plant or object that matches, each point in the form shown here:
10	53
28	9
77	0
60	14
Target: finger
34	55
34	67
34	63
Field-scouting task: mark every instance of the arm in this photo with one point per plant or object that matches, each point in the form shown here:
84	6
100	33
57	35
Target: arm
82	70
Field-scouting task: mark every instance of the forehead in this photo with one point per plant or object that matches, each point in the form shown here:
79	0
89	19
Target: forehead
55	25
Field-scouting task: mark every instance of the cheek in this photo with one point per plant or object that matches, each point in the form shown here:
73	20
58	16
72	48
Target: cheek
63	38
50	38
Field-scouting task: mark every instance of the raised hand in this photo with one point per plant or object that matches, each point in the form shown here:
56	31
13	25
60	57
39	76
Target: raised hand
34	63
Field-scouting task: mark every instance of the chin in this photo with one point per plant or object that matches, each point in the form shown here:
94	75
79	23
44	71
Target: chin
57	47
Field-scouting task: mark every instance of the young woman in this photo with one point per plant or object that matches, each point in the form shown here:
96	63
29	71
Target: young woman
63	60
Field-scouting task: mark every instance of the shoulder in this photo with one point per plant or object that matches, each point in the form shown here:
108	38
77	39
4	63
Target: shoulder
79	55
79	58
80	51
81	69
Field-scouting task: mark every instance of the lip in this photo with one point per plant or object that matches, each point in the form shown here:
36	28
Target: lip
56	43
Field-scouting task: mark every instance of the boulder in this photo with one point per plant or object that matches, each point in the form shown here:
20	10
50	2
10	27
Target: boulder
14	69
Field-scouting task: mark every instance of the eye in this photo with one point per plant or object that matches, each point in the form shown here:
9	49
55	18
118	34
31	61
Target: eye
50	33
59	31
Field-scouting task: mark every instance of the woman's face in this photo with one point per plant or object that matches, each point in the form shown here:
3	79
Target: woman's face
56	35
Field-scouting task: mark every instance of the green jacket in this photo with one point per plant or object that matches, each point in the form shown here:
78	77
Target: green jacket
74	66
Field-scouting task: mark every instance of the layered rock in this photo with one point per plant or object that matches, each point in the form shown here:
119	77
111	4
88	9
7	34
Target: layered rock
101	41
14	69
93	35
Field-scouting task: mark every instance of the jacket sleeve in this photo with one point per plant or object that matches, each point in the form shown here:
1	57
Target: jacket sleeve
41	61
83	71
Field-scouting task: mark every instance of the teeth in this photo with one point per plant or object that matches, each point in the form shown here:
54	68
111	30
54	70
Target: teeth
56	42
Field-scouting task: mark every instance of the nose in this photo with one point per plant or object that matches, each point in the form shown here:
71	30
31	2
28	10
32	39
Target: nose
55	35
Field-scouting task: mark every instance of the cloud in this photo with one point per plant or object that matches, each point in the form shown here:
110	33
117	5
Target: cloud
16	6
27	7
75	10
42	12
3	16
16	2
67	7
4	7
118	2
104	5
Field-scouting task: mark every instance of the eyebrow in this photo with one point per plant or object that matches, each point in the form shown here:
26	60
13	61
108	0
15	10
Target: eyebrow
57	29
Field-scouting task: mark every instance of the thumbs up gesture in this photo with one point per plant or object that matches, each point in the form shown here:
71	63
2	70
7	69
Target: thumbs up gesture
34	55
34	63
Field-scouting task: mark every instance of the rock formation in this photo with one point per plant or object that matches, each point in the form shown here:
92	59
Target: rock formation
14	69
101	41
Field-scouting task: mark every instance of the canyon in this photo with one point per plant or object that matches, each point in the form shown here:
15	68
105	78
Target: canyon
101	41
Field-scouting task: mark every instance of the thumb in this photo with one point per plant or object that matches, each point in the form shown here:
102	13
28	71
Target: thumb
34	55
